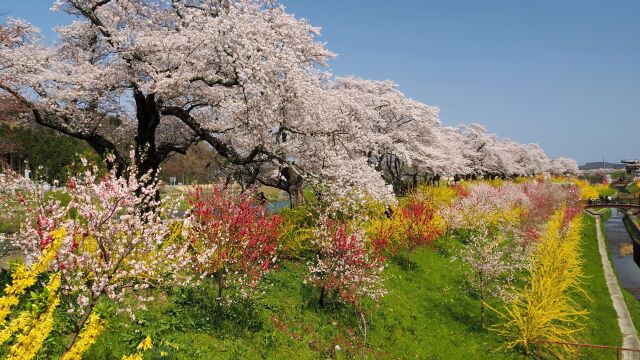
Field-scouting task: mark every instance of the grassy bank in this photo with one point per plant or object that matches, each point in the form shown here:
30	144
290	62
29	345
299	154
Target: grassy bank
602	327
427	314
608	192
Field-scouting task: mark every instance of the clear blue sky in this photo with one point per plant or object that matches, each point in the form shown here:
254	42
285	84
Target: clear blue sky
564	74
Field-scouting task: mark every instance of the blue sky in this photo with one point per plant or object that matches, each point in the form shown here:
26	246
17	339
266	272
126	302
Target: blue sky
563	74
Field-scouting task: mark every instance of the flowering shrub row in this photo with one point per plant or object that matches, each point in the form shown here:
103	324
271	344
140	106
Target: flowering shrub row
111	237
545	309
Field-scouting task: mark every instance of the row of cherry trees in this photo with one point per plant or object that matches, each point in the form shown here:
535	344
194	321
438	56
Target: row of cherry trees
250	80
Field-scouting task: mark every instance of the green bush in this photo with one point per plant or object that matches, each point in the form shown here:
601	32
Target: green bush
297	236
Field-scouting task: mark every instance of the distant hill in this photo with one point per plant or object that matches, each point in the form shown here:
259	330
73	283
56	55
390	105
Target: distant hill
598	165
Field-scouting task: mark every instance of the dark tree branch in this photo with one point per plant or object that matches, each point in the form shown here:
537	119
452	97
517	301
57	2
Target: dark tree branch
165	149
99	3
214	82
99	143
223	149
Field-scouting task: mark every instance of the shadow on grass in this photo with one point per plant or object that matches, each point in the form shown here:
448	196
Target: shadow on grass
405	262
195	309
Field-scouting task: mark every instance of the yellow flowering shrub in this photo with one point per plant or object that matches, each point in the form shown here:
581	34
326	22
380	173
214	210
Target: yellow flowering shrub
33	326
496	183
588	190
23	278
560	180
297	231
544	310
87	337
145	345
136	356
437	196
522	180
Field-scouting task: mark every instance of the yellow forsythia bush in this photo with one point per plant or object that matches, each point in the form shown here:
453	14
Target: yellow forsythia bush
33	326
23	278
588	190
145	345
544	310
437	196
87	337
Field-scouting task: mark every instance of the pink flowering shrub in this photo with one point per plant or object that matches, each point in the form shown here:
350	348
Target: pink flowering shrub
544	199
344	268
232	238
484	205
493	260
118	239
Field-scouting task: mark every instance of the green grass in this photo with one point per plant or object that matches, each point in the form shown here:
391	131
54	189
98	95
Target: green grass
608	192
273	194
634	308
428	313
634	188
10	220
602	326
633	304
9	224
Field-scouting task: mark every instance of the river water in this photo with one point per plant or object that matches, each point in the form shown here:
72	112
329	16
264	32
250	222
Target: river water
628	271
276	206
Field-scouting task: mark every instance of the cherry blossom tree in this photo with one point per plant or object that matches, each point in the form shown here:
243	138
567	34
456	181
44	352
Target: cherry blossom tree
171	73
247	78
13	34
523	159
564	166
397	134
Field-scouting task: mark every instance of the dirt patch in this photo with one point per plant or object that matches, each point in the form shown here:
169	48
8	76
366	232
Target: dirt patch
625	249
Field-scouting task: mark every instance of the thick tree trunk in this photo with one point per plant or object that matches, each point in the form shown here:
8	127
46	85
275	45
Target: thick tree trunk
147	157
296	195
294	186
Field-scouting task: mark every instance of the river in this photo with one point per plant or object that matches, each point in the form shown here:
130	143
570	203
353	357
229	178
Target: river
628	271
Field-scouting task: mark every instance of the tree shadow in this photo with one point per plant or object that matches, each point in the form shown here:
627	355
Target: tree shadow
405	262
196	309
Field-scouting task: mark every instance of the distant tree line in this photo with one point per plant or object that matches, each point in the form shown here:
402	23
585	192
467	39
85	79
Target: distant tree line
36	146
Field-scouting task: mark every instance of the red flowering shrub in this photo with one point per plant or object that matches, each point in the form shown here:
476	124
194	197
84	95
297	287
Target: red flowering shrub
382	237
544	199
460	190
416	225
232	238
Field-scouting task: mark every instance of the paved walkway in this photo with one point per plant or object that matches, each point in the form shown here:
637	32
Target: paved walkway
629	333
